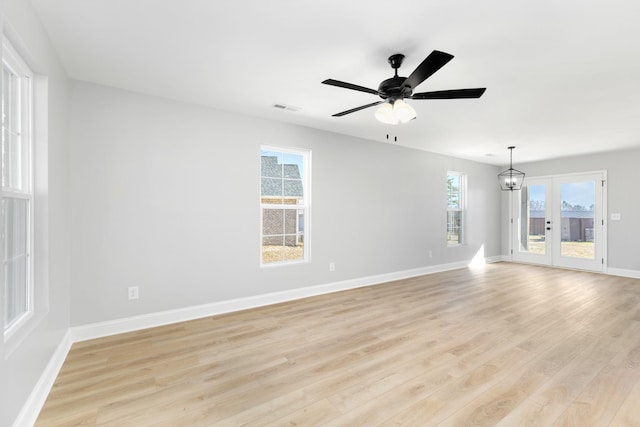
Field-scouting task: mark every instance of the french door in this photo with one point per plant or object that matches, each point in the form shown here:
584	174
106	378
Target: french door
559	221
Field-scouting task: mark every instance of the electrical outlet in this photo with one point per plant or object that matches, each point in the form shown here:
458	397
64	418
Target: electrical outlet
133	292
332	266
430	254
615	217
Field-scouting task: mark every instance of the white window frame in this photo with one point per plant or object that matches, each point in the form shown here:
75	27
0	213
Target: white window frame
462	208
305	206
12	61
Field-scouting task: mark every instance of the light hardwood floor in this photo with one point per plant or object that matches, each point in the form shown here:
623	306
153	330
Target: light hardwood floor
508	344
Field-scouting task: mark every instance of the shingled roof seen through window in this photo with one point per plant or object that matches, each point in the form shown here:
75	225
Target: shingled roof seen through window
280	180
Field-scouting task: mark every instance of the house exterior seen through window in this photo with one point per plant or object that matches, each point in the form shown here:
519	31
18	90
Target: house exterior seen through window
284	202
456	183
17	193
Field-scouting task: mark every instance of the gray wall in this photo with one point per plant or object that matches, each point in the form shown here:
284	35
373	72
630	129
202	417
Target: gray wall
622	179
165	196
24	357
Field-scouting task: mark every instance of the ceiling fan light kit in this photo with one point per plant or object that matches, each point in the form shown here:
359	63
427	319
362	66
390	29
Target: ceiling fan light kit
394	91
385	114
511	179
396	112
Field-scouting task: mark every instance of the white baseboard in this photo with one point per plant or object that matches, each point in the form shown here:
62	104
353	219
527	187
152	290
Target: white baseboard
32	407
635	274
497	258
129	324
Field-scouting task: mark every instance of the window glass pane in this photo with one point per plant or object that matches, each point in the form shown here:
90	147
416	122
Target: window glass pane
10	117
294	250
272	200
16	303
6	158
16	216
301	222
291	221
271	164
11	148
283	231
293	166
293	190
272	249
271	187
6	97
12	162
272	222
453	192
454	227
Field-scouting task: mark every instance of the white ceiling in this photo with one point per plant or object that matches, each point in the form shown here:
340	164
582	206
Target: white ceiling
562	77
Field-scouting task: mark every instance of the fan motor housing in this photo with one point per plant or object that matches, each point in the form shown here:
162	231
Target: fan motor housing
393	88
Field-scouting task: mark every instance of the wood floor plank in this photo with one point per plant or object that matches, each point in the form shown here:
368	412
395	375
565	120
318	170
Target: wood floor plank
600	401
506	344
629	413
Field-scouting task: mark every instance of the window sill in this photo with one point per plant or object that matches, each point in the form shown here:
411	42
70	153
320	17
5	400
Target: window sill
284	264
16	335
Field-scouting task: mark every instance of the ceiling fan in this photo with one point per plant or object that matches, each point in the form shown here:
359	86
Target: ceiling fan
395	90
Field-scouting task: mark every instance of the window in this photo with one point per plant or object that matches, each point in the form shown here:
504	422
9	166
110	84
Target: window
284	202
17	194
455	207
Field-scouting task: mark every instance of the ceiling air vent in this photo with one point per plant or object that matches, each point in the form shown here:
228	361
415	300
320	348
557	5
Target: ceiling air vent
286	107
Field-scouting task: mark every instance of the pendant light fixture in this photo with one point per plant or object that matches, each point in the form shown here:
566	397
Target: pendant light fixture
511	179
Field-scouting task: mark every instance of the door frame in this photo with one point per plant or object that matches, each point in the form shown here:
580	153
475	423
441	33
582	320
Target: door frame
548	259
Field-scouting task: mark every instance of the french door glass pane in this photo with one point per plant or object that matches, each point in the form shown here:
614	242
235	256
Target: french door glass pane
577	238
533	217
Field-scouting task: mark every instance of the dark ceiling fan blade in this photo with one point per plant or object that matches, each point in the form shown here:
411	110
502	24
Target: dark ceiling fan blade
353	110
450	94
430	65
338	83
